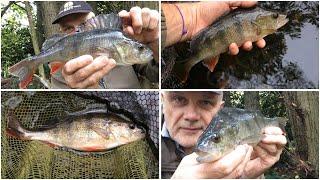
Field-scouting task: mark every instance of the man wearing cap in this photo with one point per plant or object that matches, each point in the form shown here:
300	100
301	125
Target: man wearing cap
185	116
102	72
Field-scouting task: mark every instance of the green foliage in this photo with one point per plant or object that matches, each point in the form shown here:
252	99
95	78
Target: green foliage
271	104
237	99
105	7
15	44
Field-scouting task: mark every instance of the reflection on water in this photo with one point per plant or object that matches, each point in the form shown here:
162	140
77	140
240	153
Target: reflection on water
305	51
290	59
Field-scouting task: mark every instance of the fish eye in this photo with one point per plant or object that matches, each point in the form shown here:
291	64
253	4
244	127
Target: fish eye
216	138
140	48
132	126
275	16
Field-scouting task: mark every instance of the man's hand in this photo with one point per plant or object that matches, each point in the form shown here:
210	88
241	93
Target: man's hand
230	166
85	72
208	12
142	25
266	153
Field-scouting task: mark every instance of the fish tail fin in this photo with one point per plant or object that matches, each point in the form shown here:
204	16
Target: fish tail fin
15	128
24	70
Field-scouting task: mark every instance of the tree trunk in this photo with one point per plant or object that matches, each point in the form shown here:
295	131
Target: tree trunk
33	34
251	100
303	114
227	99
50	9
40	30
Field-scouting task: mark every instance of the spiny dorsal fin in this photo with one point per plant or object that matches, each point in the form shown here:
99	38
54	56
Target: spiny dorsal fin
102	21
48	43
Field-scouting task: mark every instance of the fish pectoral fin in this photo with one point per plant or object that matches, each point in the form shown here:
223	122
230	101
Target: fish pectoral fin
100	51
55	66
258	29
254	139
102	132
211	63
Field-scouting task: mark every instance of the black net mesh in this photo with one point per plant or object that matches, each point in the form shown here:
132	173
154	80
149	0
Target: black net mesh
34	159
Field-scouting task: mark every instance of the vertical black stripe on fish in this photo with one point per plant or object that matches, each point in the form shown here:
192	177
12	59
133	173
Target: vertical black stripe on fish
239	32
260	124
223	34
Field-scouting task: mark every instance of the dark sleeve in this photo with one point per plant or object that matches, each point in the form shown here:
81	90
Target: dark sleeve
163	30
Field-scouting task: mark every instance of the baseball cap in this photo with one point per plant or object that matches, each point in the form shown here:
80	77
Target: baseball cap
72	7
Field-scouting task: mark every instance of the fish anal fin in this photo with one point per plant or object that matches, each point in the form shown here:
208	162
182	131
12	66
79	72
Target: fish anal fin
55	66
211	63
23	84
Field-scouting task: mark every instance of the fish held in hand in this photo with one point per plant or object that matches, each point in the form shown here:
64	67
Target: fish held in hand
237	27
88	132
98	36
230	128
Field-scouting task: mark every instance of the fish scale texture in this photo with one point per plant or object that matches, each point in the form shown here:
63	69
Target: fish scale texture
33	159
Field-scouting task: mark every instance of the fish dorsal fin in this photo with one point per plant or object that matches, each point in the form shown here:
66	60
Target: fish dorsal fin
102	21
48	43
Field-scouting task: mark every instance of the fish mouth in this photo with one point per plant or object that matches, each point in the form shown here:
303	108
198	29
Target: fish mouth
282	20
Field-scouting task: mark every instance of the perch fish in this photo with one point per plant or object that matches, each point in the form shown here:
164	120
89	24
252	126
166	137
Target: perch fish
98	36
232	127
237	27
89	132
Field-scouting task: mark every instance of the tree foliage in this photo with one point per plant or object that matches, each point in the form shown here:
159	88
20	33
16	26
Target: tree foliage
15	44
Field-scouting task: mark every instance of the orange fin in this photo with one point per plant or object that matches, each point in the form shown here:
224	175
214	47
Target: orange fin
55	66
25	82
92	149
211	63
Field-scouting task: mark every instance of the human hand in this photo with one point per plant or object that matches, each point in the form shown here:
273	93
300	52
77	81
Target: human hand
85	72
230	166
209	12
266	153
142	25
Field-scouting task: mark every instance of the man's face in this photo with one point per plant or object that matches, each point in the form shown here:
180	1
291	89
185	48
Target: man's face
69	23
187	114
